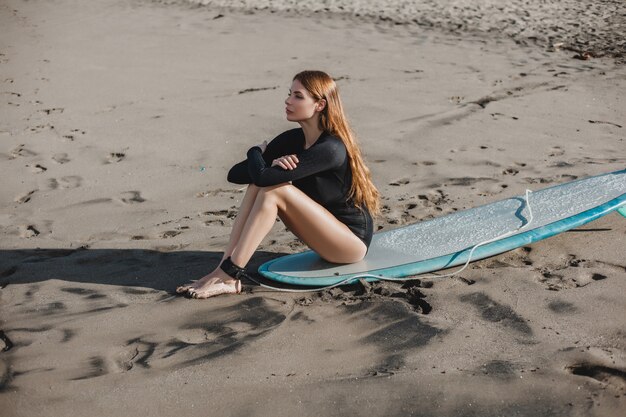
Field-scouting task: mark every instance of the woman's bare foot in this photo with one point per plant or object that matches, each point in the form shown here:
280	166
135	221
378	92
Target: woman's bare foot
215	283
195	283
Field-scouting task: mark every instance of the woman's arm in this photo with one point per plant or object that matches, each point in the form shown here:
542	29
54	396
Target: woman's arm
321	157
238	174
279	146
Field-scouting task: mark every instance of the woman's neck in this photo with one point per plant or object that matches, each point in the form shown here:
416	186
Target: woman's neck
311	132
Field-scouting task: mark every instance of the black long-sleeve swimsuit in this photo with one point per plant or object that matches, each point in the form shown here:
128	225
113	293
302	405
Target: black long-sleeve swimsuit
323	173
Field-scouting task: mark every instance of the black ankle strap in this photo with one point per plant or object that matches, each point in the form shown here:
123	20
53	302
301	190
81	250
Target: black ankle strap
231	269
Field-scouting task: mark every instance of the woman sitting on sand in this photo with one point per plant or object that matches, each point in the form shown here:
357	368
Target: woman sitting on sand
313	178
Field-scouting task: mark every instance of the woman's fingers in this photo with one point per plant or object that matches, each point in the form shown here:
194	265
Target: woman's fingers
280	163
291	161
286	162
294	158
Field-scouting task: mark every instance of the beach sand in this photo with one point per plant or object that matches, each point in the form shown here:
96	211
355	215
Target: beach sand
119	121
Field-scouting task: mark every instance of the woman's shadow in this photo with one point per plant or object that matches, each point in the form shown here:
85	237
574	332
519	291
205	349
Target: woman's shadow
161	271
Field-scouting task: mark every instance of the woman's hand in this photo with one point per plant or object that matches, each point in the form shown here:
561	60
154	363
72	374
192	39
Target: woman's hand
286	162
263	146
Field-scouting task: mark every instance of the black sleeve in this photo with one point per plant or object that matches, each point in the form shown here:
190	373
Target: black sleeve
238	174
279	146
321	157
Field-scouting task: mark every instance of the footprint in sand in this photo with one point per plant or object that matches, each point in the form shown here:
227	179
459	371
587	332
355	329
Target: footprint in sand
548	180
195	336
556	151
20	150
199	339
12	95
40	128
136	353
60	158
52	184
24	198
71	136
218	222
131	197
115	157
56	110
72	181
124	361
28	231
606	365
434	197
608	375
37	168
399	182
170	233
573	273
561	164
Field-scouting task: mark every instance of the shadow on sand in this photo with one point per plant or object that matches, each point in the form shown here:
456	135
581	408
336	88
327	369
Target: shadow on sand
162	271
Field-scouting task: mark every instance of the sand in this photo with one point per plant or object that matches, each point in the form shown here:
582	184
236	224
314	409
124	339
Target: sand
118	122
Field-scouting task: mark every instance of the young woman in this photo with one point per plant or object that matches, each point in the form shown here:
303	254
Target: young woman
312	177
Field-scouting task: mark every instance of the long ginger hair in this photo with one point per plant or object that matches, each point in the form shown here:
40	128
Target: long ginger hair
333	120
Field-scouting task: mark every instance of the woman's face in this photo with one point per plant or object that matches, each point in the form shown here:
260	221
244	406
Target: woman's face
300	105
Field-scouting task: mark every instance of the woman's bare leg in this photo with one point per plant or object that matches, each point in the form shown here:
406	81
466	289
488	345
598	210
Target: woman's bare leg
240	220
315	225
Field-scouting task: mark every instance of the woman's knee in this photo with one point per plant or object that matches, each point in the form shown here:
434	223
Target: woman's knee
275	190
348	257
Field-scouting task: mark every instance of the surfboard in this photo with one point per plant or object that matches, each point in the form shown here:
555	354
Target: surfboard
447	241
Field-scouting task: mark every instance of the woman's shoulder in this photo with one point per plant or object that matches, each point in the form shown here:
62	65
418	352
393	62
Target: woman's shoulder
333	141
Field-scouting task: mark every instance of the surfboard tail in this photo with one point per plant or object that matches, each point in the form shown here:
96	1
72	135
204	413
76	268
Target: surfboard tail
622	210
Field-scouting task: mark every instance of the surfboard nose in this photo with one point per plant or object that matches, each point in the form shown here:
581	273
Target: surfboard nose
622	210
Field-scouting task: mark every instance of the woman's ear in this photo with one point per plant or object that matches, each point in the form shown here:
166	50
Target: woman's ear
321	104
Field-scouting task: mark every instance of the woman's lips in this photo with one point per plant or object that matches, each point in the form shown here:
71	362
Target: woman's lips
288	111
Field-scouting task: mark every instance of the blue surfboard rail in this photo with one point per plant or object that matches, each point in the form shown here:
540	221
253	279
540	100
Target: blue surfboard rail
460	257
